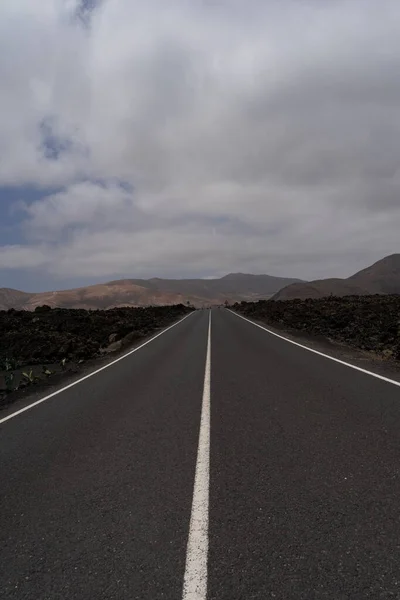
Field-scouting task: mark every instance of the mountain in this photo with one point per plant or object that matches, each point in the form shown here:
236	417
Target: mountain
235	286
383	277
143	292
13	298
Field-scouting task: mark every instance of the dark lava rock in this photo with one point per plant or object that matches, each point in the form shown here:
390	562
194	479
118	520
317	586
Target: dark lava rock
369	323
52	335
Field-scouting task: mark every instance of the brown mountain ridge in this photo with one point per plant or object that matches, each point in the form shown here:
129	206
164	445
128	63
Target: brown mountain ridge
383	277
234	287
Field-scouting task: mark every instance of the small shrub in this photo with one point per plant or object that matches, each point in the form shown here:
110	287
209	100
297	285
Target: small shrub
43	309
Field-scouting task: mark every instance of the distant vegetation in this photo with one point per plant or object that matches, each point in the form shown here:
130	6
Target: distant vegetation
369	323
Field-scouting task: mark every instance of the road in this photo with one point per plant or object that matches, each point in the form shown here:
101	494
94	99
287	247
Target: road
216	462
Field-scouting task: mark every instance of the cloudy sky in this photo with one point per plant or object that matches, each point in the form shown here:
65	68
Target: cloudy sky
197	137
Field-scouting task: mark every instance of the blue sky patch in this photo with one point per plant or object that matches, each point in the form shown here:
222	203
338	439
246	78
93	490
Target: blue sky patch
53	145
11	212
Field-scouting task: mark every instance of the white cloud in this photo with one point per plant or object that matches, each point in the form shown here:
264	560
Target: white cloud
259	136
83	205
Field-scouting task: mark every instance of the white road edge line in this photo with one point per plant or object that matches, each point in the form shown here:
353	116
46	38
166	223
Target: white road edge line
195	579
337	360
67	387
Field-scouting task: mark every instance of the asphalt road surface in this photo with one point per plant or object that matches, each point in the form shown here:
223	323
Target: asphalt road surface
216	462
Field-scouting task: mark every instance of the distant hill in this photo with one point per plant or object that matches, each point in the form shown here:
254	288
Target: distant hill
143	292
13	298
383	277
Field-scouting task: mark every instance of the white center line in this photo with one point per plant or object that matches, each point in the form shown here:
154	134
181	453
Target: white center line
195	580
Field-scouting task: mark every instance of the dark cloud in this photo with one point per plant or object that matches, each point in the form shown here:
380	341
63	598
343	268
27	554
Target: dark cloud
259	136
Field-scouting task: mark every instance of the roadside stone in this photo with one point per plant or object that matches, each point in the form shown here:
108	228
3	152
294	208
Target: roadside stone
114	347
3	385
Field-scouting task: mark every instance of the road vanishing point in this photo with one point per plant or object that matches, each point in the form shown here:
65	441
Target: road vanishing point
216	461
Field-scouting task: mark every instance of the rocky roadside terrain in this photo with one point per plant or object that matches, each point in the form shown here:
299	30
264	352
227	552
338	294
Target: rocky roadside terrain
368	323
38	347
